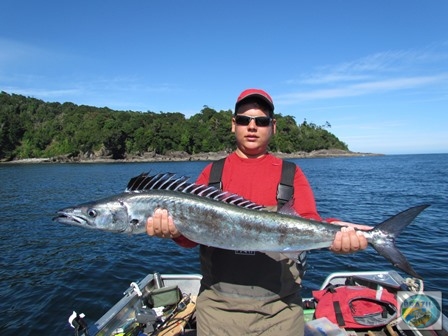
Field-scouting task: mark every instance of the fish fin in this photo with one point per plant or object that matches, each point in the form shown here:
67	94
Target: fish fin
300	258
392	227
169	181
288	209
391	253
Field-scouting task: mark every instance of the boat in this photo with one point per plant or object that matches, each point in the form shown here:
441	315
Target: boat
164	304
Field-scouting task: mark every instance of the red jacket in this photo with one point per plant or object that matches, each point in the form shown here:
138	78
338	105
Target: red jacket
257	181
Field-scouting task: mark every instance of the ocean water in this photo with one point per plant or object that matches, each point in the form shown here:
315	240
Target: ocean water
47	270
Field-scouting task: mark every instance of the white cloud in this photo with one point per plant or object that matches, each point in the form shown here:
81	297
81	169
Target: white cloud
15	52
362	88
380	72
387	62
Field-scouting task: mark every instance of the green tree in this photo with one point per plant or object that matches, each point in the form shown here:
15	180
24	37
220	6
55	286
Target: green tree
32	128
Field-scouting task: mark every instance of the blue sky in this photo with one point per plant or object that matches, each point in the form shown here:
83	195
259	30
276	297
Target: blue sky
376	70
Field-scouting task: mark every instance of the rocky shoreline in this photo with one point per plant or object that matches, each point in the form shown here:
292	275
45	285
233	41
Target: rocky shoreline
183	156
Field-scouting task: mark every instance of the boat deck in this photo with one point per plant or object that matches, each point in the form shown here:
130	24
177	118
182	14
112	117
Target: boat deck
131	313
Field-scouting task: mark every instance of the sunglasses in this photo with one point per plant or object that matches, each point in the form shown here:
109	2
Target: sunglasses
259	121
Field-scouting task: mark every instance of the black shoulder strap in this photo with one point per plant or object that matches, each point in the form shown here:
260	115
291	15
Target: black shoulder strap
285	190
216	173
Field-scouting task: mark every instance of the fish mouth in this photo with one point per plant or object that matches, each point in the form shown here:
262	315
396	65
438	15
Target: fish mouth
65	217
71	219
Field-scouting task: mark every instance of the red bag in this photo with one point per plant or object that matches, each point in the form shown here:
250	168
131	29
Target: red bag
356	306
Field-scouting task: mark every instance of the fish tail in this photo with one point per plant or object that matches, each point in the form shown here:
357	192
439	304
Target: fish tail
392	227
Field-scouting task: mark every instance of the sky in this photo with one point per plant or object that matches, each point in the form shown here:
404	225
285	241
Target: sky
376	71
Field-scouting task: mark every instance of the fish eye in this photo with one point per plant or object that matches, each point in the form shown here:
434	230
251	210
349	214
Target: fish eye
92	213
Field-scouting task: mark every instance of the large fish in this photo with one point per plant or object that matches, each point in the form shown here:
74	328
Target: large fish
212	217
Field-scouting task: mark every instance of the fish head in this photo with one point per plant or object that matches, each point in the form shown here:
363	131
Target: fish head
106	215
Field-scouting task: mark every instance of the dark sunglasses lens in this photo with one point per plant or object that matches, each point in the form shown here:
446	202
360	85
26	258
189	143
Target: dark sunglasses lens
242	120
259	121
262	121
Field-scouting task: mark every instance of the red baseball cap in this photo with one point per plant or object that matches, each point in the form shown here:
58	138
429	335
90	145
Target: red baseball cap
256	94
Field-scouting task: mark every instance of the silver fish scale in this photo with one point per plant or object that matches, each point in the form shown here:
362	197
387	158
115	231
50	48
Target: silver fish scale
210	222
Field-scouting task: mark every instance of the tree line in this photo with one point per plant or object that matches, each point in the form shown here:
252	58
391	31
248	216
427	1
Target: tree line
32	128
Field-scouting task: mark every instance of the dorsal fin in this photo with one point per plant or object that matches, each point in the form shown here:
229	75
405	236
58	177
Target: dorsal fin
169	181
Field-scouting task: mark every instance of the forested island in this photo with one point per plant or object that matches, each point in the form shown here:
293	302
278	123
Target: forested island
33	130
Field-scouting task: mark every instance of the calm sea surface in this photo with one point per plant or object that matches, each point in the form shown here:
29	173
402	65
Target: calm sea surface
48	269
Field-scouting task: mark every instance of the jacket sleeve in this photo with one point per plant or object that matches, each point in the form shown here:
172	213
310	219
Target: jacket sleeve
184	242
